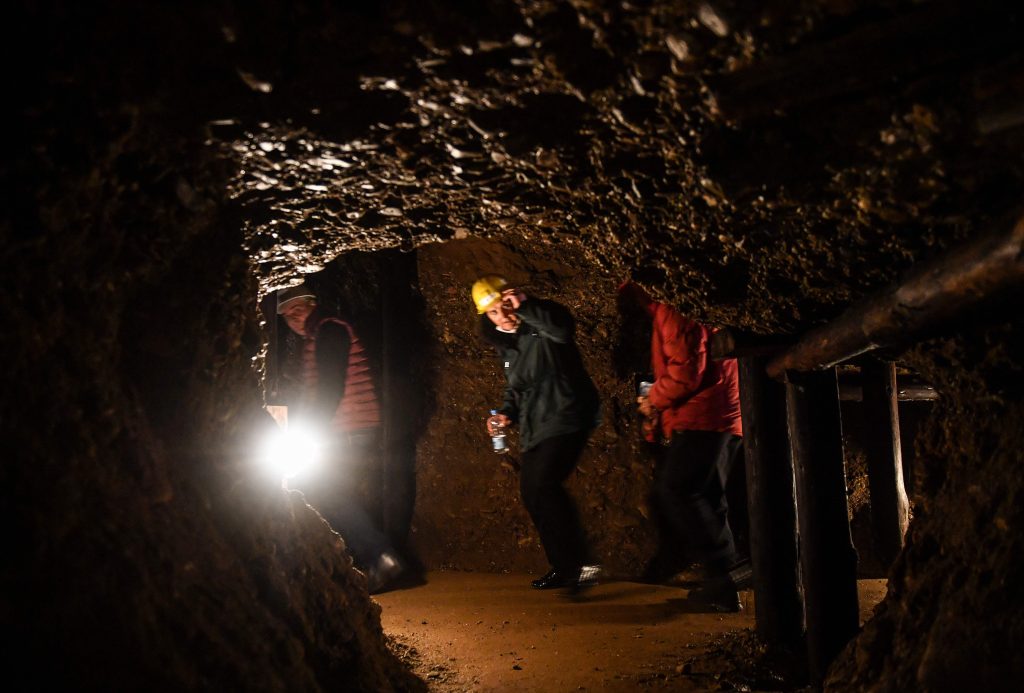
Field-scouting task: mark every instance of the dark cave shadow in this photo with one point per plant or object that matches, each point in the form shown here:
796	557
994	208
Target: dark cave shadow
639	614
591	596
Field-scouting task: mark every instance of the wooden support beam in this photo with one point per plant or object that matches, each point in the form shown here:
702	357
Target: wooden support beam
828	561
890	509
907	390
771	505
730	343
934	293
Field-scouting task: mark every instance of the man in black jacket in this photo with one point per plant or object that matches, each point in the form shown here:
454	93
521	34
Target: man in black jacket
552	399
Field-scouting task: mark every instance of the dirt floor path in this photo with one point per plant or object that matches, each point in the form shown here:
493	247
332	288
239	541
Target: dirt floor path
492	632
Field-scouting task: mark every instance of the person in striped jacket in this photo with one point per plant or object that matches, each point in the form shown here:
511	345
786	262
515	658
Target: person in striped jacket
338	397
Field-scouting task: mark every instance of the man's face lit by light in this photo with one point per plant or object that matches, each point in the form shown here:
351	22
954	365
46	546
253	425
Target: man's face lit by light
502	315
296	313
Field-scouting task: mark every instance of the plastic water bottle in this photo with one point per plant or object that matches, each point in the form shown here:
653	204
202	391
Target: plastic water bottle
643	390
499	441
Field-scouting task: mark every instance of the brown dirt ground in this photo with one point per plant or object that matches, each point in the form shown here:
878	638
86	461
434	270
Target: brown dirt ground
491	632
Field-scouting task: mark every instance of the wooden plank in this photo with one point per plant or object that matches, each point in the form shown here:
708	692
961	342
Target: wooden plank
890	509
771	505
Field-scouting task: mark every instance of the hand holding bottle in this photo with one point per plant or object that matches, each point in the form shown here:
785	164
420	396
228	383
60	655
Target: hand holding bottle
648	414
497	425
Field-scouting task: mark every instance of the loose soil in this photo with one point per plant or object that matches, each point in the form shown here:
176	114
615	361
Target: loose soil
492	632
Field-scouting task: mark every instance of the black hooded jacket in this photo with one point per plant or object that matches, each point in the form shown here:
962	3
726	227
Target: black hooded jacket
548	391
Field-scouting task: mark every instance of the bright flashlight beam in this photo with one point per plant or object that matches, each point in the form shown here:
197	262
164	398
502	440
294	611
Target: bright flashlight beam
287	453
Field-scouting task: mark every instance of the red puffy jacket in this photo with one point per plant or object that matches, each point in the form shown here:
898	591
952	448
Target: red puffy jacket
358	408
691	392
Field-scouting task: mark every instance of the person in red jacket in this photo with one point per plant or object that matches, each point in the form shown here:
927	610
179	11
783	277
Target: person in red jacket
693	409
337	397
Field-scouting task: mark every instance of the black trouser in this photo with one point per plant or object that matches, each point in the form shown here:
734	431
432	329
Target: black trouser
338	491
543	469
689	493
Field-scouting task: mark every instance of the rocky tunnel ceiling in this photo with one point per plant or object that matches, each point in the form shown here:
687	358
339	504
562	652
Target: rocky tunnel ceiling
597	127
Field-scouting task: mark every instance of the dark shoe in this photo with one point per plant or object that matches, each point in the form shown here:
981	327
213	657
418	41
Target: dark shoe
556	578
716	595
382	574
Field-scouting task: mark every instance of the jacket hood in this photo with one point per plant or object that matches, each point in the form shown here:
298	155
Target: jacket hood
636	296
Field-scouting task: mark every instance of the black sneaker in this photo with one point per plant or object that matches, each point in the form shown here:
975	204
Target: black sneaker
716	595
556	578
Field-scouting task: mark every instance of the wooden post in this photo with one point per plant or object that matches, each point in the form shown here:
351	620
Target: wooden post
771	504
828	561
890	509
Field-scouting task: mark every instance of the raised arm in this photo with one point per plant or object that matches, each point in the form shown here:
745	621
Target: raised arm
549	319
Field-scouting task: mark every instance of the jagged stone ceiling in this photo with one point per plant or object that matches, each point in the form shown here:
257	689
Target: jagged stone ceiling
595	127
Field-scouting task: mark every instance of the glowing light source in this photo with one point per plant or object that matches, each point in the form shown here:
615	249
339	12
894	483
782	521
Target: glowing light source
286	453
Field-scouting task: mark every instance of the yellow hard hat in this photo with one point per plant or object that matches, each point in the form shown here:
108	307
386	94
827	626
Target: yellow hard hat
487	290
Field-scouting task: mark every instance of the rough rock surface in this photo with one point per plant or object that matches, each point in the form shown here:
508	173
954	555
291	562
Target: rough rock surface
169	165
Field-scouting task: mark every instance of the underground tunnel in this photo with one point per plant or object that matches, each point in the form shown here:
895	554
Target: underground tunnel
832	186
